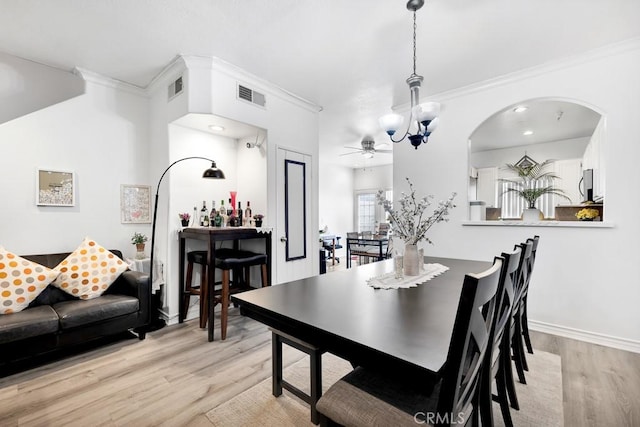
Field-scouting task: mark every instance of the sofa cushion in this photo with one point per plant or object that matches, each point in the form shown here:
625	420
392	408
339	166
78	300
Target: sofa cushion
89	270
21	281
83	312
28	323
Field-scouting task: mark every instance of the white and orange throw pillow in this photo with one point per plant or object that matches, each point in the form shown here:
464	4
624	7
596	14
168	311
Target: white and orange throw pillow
89	270
21	281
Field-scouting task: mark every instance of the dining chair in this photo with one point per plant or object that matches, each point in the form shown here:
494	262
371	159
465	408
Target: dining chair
517	346
498	361
369	398
525	322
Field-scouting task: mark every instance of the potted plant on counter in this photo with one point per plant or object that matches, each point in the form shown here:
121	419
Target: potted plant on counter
184	219
531	184
139	240
258	219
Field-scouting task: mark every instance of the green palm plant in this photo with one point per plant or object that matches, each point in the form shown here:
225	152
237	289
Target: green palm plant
526	186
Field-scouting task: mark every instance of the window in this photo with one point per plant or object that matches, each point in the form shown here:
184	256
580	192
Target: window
368	212
513	204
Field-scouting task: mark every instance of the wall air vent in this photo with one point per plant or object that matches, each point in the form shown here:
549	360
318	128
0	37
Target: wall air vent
252	96
176	88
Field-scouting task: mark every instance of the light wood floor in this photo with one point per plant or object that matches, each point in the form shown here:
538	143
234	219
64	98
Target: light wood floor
174	377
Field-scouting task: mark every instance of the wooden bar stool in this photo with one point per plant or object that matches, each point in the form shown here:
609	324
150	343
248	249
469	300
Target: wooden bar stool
196	257
234	260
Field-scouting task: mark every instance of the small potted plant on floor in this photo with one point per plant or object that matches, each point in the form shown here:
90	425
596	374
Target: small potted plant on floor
258	219
139	240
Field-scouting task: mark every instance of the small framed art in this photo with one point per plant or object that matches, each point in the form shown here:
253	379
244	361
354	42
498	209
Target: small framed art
135	204
55	188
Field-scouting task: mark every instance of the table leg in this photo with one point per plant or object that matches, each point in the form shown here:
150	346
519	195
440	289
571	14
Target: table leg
276	362
211	280
181	307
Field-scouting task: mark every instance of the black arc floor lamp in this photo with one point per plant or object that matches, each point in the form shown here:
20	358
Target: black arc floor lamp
213	173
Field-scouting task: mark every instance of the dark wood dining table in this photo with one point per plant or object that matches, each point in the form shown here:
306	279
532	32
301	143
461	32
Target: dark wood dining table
400	330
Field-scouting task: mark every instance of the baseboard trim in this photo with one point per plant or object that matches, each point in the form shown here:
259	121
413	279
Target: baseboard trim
580	335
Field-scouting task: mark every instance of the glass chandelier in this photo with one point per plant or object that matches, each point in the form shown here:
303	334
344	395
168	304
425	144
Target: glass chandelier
426	114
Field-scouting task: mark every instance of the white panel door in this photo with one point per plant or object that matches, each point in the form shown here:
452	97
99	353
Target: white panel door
293	235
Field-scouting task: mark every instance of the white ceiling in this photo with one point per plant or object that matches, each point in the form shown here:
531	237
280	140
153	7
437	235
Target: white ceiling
350	57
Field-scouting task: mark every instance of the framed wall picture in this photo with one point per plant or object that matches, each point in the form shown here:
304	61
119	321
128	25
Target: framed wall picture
135	204
55	188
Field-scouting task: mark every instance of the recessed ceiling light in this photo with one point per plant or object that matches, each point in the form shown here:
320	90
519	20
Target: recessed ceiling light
527	132
216	128
520	109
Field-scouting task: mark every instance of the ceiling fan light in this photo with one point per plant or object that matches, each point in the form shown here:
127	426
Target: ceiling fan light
391	122
367	154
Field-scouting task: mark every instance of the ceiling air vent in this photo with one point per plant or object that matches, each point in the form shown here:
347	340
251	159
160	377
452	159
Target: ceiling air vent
252	96
176	87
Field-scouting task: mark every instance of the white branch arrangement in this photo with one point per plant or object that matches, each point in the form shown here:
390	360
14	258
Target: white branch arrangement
409	222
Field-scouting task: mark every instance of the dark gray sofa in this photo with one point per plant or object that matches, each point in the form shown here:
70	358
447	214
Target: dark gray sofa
56	320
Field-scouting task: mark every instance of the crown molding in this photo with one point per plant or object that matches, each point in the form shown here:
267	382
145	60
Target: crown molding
237	73
528	73
93	77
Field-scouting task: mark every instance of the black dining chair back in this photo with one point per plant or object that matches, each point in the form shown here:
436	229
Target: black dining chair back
499	355
364	397
521	288
470	342
525	317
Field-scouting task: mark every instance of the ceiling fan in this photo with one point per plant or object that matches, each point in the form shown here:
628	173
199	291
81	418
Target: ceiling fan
368	148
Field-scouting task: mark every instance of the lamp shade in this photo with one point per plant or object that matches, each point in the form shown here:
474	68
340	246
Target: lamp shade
213	172
390	123
427	111
433	125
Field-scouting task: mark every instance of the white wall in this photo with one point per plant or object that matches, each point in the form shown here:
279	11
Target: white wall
27	86
102	137
373	178
557	150
335	203
585	282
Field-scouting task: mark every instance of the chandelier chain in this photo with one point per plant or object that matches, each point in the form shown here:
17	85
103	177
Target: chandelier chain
414	42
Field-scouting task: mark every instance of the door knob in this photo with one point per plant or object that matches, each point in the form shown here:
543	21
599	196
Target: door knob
283	239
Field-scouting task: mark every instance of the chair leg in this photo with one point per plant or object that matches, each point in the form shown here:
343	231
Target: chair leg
507	371
224	310
186	292
263	270
518	353
247	277
525	327
204	298
501	388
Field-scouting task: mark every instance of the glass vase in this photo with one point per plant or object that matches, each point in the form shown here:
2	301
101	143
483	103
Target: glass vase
411	261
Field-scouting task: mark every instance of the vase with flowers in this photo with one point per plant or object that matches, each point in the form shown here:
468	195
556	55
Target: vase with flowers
184	219
410	222
258	219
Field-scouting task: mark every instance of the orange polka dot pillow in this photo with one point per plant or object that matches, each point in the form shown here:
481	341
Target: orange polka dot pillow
88	271
21	281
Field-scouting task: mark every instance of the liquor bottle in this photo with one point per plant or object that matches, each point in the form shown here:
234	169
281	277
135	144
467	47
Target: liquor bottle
247	214
239	214
230	208
223	214
212	215
204	215
195	216
218	219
